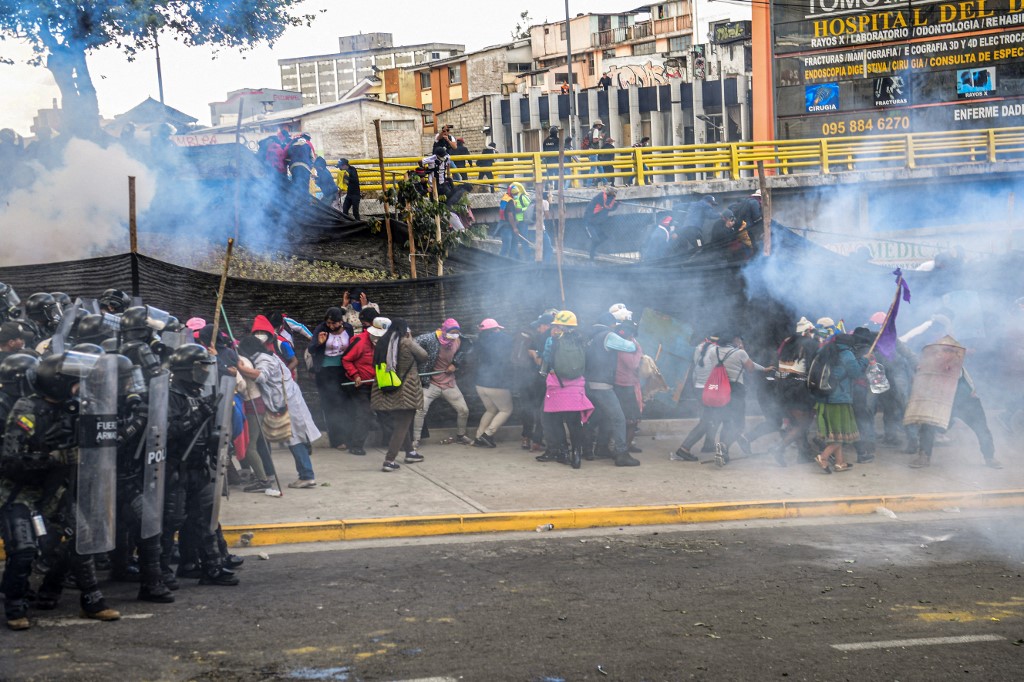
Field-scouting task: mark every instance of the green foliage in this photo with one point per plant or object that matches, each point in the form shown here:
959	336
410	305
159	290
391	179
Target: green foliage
281	268
522	29
424	213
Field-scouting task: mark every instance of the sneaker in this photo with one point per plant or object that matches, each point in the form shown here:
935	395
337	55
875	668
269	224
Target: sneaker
301	483
480	443
548	456
390	466
18	623
257	487
489	440
525	444
413	457
634	450
463	439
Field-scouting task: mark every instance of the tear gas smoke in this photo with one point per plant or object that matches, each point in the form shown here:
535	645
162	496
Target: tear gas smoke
76	211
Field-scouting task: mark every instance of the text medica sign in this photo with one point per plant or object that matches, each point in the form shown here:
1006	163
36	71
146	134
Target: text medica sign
865	67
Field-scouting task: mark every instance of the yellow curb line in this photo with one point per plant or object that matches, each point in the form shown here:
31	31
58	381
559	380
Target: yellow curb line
564	519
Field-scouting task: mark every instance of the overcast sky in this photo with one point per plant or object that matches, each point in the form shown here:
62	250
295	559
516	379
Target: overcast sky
195	77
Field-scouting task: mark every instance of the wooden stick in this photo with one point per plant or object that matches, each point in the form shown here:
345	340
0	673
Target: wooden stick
412	239
437	222
766	208
560	246
133	225
384	190
220	292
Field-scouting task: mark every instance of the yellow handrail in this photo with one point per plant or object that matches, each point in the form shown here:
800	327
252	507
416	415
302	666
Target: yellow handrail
723	160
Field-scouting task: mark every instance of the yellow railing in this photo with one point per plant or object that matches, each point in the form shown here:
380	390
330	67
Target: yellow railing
725	161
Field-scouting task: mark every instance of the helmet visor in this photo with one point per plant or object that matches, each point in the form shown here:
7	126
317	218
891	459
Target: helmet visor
77	364
10	298
157	319
134	382
204	371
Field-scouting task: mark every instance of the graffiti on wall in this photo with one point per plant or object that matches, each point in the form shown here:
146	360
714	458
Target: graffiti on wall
624	75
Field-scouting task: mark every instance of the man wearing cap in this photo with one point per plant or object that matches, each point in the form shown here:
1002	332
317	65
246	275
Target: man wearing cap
748	210
352	193
490	150
11	340
493	380
514	204
700	215
443	348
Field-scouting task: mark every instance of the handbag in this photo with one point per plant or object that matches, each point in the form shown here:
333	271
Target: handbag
277	426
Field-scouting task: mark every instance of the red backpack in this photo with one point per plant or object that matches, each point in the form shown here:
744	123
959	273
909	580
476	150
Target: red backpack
717	389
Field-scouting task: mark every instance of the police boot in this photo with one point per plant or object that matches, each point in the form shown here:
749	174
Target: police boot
155	592
624	459
216	574
94	606
189	571
18	623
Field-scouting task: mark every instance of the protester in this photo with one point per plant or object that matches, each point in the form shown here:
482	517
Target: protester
566	406
330	340
353	194
837	425
398	354
597	217
357	361
443	357
325	182
493	380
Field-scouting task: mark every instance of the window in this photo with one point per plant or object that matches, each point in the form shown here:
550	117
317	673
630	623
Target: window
518	67
680	43
397	125
435	55
561	31
563	77
643	48
455	74
455	103
590	63
428	114
608	54
392	98
424	80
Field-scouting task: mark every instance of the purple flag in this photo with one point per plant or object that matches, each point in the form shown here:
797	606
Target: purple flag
886	344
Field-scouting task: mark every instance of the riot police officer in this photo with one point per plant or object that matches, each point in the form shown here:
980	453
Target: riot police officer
192	451
138	341
9	303
114	301
37	464
16	372
43	314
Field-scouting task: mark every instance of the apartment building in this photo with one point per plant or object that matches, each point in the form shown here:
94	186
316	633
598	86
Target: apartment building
326	78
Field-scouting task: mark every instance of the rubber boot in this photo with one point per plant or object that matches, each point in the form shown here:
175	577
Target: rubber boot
576	456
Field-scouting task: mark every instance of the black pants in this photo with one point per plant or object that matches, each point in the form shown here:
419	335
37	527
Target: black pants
555	424
597	229
351	202
359	415
531	406
970	411
333	402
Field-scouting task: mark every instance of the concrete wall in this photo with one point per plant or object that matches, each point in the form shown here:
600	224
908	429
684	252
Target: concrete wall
469	120
347	131
485	71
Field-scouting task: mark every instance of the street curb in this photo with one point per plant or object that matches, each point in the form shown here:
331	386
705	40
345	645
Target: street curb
261	535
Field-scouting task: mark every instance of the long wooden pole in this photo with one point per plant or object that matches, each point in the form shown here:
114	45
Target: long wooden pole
133	235
412	239
220	292
437	223
766	208
384	194
559	247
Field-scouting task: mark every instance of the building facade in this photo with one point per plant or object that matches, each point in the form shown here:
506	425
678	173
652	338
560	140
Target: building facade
325	78
252	102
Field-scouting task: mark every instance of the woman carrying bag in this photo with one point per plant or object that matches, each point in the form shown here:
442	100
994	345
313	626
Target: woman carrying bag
287	419
396	355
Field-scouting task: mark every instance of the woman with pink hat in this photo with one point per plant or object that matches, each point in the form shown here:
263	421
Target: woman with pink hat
493	380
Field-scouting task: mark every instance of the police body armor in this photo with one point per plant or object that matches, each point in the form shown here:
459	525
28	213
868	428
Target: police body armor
97	466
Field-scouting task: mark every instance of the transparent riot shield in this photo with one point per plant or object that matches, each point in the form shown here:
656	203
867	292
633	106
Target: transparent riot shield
59	342
225	412
156	455
97	459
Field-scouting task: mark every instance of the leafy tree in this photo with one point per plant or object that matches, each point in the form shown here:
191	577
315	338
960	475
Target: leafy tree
62	33
522	29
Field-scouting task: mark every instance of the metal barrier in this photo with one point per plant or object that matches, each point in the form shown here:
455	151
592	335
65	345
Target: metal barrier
724	161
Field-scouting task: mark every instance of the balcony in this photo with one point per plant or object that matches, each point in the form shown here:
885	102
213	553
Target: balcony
673	25
643	30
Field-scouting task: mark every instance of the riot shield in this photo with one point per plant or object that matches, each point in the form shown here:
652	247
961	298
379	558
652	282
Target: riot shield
225	412
156	455
58	344
97	459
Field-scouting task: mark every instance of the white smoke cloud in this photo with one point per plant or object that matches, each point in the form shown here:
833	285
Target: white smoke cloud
78	210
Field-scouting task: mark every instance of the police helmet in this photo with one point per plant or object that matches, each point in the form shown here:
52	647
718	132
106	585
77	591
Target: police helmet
63	300
17	372
90	348
129	377
57	375
191	363
8	297
91	329
115	300
42	308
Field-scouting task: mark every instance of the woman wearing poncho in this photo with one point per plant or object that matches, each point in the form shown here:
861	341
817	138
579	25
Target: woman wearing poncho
837	425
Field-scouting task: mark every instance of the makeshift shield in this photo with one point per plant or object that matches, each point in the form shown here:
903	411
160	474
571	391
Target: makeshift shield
225	411
97	459
156	456
934	387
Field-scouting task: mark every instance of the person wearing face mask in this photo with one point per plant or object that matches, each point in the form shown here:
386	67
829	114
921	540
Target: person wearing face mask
443	348
353	302
330	339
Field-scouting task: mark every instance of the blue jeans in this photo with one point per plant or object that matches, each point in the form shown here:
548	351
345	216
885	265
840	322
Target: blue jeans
549	249
608	422
509	242
303	464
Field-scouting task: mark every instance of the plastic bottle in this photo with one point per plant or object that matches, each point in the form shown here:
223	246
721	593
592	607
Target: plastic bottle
877	381
544	527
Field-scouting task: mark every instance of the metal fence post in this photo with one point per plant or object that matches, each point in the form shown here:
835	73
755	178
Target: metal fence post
824	156
991	145
734	159
638	166
538	169
911	161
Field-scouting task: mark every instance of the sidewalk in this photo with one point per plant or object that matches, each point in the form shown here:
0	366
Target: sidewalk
460	489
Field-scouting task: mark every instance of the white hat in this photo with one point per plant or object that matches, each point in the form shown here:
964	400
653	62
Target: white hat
757	192
804	325
380	326
826	322
620	313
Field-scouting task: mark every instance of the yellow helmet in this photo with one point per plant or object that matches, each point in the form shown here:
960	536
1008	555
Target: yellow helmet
516	188
565	318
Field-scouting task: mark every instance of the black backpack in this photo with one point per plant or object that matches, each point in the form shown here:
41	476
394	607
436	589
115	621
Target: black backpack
819	372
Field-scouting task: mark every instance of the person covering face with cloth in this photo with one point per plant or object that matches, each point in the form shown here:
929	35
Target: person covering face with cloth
443	348
397	351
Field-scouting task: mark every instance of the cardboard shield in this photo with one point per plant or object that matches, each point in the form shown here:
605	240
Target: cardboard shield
156	456
225	411
934	387
97	463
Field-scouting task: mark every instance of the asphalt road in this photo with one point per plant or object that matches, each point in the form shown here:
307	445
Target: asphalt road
828	600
